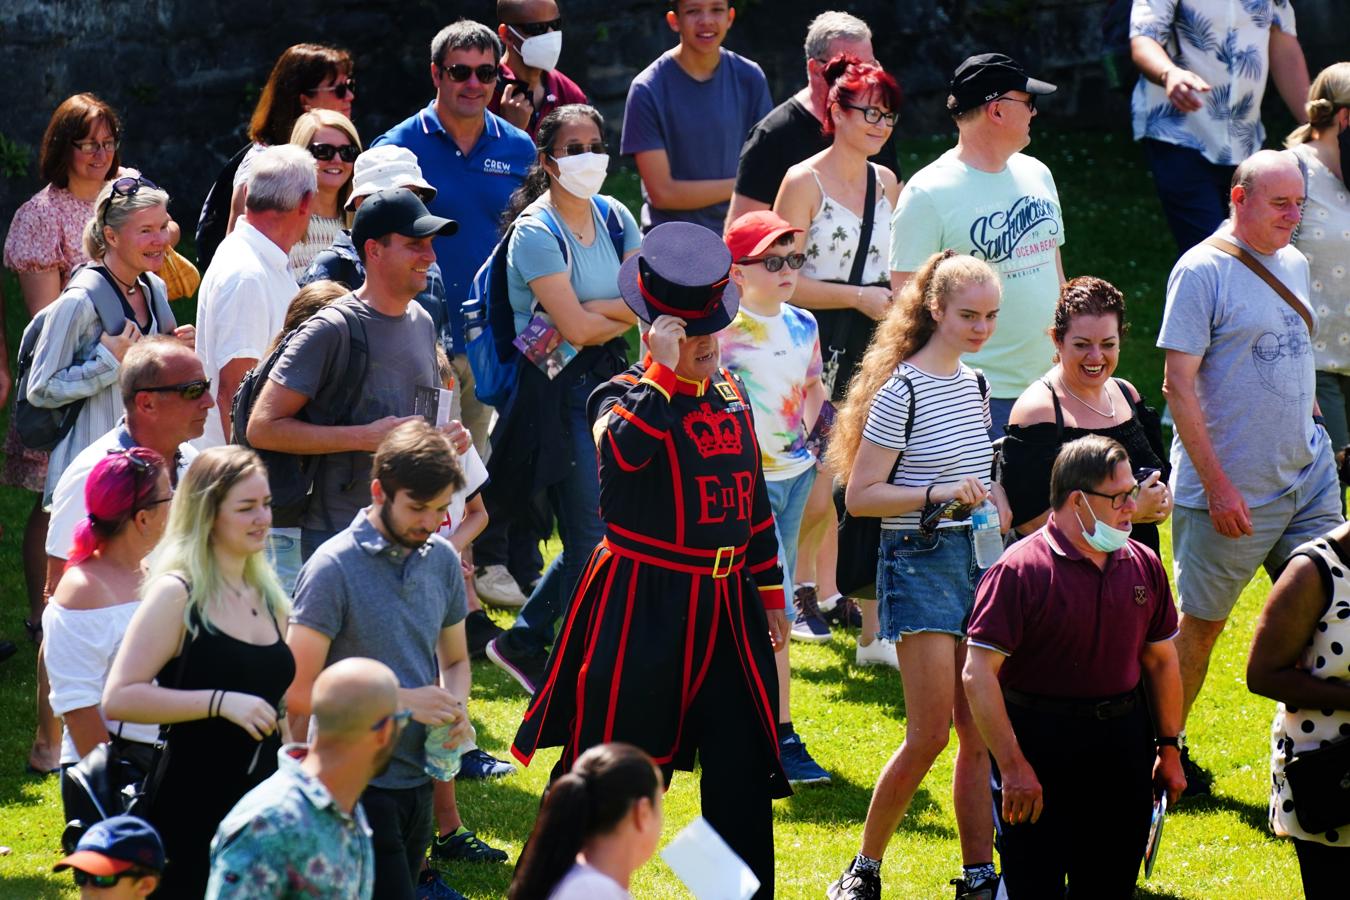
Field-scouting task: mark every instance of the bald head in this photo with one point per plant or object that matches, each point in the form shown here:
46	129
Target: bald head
352	695
1266	199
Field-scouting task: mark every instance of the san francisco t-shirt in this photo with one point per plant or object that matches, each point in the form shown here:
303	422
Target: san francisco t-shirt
1011	220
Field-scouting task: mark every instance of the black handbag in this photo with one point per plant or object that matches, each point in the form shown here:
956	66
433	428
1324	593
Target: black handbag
1320	783
855	570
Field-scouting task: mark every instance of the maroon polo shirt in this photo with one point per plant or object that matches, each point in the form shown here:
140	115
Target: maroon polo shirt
1068	628
559	90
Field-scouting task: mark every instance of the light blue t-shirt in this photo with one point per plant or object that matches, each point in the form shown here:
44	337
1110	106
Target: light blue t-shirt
1256	381
533	253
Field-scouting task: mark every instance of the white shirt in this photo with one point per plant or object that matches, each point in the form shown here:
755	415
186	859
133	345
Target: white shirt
68	500
242	305
583	882
475	476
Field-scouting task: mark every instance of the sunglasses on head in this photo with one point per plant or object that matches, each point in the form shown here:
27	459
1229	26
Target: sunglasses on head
400	719
92	147
188	390
340	90
873	114
774	263
486	73
102	881
325	152
576	148
142	468
534	29
131	186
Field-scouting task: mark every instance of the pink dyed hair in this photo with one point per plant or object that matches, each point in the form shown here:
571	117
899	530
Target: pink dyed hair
120	485
851	81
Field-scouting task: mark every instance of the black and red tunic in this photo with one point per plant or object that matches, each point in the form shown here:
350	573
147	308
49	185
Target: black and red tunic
689	559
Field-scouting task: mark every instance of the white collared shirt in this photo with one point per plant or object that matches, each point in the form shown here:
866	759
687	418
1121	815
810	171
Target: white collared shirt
241	307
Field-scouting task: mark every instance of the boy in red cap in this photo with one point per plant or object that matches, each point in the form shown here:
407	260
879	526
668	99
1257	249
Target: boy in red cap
774	348
116	859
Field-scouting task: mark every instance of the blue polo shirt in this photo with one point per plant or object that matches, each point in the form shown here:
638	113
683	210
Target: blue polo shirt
473	189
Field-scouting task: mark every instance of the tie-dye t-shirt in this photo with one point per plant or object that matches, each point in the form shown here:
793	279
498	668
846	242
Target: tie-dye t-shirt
777	357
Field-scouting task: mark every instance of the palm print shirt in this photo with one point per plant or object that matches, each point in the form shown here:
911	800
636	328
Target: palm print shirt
1225	42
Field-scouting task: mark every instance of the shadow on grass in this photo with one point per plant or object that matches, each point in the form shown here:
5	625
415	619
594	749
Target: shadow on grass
1141	891
34	887
844	803
1254	815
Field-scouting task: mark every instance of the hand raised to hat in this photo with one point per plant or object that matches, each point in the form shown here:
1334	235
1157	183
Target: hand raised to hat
664	339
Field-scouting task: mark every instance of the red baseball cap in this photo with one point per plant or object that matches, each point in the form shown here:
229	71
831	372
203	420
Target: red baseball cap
753	233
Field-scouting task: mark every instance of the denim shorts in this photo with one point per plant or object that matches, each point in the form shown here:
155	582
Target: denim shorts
926	582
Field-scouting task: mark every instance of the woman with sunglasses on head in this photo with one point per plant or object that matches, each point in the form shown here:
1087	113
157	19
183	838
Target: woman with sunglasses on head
305	77
911	443
545	439
331	138
127	496
205	655
846	286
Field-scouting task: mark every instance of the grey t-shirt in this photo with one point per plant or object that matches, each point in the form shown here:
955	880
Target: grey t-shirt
402	356
375	599
1256	382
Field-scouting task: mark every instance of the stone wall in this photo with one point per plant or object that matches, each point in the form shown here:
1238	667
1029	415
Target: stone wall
184	73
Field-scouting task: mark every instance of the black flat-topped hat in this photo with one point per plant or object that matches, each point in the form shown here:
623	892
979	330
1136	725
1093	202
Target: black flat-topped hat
682	270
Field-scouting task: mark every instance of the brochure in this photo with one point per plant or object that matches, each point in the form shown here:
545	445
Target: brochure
432	404
544	346
707	866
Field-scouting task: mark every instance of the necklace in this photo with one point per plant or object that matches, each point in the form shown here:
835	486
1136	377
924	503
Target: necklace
579	235
238	593
129	287
1110	403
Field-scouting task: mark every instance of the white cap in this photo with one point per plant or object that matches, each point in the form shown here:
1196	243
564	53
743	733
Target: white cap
387	166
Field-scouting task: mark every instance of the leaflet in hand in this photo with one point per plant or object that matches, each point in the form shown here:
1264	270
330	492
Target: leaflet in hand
819	438
432	404
544	346
707	866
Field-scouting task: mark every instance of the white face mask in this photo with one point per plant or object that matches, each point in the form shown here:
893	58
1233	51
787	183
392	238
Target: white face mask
540	51
582	174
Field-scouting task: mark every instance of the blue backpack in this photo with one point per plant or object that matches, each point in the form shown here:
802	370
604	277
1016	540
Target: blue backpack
489	320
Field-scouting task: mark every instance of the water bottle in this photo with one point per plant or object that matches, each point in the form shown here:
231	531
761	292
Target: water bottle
475	318
988	540
442	762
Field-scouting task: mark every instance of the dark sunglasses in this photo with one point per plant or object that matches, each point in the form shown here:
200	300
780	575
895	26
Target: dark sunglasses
1030	101
102	881
340	90
188	390
325	152
774	263
400	719
131	186
873	114
534	29
92	147
577	148
487	73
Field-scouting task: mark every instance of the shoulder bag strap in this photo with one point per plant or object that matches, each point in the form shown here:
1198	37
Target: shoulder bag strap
104	293
909	428
1276	285
1129	398
865	233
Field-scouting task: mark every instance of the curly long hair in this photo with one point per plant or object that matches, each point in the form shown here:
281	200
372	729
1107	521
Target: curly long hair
907	327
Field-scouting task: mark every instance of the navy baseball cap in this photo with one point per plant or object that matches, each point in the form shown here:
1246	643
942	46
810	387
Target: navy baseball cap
682	270
984	77
116	844
397	211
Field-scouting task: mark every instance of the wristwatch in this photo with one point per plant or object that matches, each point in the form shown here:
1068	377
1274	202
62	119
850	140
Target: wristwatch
1167	741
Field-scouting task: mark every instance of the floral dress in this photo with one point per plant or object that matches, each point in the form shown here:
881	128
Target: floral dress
832	239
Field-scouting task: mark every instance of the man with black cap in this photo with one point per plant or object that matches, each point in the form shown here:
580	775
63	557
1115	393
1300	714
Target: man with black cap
986	198
684	593
393	234
118	858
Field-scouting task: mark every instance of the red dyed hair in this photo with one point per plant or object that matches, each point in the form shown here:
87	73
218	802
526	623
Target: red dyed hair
853	81
120	485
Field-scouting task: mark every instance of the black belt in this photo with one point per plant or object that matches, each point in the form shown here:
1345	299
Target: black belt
1075	707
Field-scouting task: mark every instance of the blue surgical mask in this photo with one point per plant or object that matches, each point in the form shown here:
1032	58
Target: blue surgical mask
1103	537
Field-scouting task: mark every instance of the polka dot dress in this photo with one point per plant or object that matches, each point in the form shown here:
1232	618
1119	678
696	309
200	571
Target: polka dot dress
1296	730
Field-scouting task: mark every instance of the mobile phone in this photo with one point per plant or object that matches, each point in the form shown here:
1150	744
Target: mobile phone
522	87
935	512
1142	474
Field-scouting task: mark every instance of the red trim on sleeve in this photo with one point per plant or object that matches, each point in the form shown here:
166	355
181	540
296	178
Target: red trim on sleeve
767	523
773	597
641	425
662	377
618	457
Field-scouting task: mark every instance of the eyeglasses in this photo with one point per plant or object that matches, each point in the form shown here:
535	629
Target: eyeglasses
1030	101
874	114
325	152
487	73
102	881
1118	501
340	90
92	147
131	186
774	263
577	148
400	719
188	390
534	29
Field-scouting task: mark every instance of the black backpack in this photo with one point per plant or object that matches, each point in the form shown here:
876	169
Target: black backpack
215	216
291	476
40	427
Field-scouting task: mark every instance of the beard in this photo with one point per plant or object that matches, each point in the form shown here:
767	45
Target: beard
387	518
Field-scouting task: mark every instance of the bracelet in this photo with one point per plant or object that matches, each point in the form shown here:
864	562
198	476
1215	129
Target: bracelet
210	705
928	494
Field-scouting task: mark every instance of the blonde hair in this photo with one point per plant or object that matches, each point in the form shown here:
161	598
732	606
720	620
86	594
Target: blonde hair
114	212
302	135
1330	91
185	550
908	326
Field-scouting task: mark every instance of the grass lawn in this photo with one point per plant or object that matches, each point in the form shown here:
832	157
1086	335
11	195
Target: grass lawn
853	719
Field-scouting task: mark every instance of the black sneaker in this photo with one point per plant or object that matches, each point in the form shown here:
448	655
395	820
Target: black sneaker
987	890
527	667
1198	780
856	886
842	613
479	764
479	629
464	846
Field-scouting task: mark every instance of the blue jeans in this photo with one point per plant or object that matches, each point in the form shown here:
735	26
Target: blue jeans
787	499
576	504
1193	190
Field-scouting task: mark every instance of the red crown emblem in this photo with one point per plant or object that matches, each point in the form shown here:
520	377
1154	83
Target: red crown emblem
713	432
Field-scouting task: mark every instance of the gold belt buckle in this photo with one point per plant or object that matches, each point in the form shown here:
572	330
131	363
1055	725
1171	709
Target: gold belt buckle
730	554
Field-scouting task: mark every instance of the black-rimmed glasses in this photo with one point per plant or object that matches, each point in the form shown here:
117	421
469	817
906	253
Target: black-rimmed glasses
340	90
1118	501
874	114
188	390
1030	100
534	29
325	152
486	73
774	263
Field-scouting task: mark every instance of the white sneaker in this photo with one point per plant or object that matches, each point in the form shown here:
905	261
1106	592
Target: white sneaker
880	652
496	587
